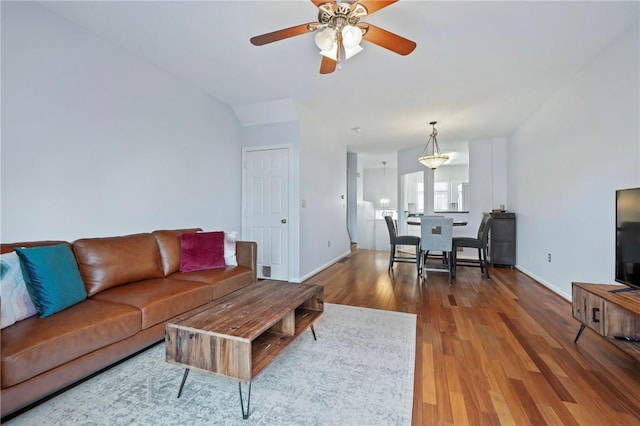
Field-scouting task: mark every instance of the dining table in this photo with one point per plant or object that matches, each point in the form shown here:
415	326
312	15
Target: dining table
455	223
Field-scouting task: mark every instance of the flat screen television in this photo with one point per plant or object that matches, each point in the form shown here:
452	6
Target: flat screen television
628	237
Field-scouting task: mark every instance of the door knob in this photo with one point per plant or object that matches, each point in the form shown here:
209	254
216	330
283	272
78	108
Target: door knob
283	221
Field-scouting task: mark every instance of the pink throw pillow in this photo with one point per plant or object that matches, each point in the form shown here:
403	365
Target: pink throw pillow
201	250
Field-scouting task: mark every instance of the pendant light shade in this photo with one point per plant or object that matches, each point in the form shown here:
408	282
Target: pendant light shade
433	161
431	157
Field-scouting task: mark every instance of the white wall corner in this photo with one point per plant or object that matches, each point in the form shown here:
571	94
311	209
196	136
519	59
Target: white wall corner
269	112
499	172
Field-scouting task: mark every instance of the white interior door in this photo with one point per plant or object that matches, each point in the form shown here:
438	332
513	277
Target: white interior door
266	208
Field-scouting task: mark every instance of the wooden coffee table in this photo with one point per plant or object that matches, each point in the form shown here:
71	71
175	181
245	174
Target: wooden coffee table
238	335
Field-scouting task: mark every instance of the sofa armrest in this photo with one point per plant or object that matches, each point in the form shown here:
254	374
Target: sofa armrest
247	255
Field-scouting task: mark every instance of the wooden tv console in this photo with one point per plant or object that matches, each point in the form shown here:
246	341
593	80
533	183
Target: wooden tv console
608	314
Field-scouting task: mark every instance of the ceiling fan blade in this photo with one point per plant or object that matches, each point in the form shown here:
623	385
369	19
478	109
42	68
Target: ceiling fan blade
327	66
373	6
284	33
386	39
319	3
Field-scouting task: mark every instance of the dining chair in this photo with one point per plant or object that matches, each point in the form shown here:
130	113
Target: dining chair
480	243
436	236
402	240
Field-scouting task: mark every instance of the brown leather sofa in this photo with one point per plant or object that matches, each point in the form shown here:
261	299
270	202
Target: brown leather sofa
134	286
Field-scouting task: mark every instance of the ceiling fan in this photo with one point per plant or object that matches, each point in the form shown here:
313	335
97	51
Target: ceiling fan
339	28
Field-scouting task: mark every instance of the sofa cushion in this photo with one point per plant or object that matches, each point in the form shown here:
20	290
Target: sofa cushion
109	262
169	245
224	281
52	278
36	345
159	299
16	302
203	250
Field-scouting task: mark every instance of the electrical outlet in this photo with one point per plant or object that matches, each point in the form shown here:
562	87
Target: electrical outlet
328	243
549	257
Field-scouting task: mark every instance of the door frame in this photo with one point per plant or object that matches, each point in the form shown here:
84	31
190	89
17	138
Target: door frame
293	216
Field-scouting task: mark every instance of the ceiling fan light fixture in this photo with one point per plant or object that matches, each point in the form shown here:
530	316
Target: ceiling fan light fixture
326	39
351	36
351	51
331	53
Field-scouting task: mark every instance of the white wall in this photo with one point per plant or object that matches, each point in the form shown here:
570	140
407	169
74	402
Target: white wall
271	134
448	173
352	195
323	187
411	201
565	163
366	226
381	182
366	219
408	163
96	142
487	175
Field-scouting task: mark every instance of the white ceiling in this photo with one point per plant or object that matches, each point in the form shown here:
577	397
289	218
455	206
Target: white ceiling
479	69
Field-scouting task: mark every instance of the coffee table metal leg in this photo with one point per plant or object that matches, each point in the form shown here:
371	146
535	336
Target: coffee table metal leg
313	330
245	415
184	379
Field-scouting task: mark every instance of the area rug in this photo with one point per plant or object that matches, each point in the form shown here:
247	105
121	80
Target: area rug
358	372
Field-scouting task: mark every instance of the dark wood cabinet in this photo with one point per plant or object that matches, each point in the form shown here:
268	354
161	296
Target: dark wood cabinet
502	240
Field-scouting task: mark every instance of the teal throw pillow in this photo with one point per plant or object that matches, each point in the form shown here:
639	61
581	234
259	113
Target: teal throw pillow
52	278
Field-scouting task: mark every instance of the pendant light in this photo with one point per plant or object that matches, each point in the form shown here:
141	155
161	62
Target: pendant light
433	158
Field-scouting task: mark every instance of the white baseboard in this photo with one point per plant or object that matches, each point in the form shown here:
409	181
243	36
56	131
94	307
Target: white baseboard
550	286
321	268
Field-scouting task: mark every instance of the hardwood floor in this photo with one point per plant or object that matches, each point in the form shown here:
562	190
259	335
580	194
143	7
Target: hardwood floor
495	352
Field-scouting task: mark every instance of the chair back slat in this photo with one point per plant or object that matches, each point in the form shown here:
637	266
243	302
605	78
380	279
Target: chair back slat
485	227
391	226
